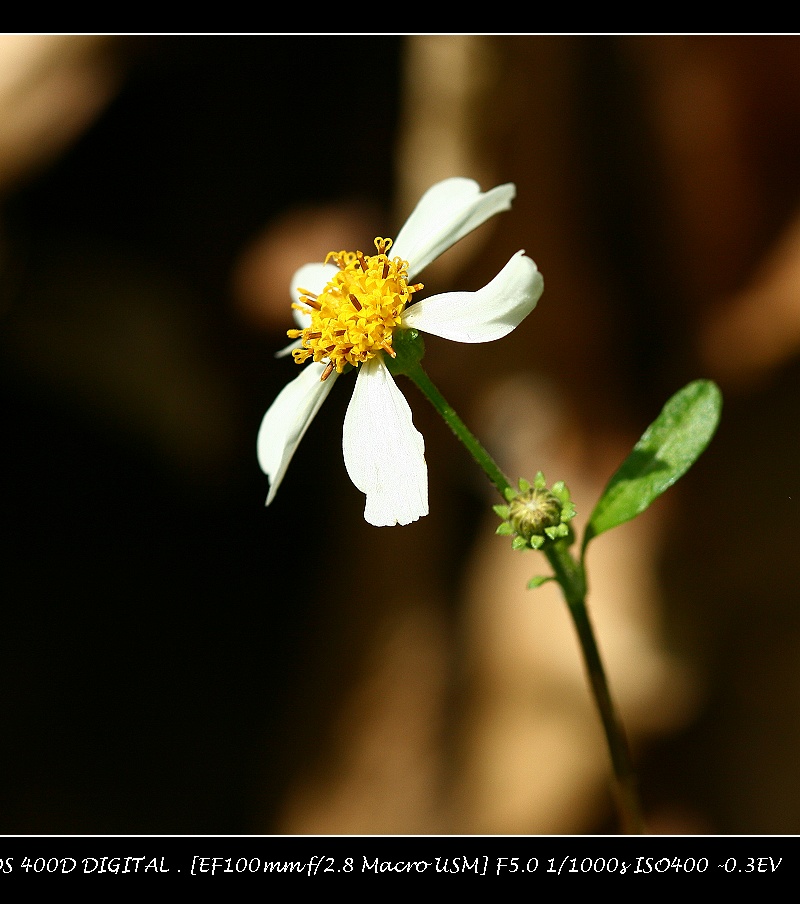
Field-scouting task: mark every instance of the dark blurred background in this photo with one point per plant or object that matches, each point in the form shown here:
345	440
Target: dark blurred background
153	605
176	658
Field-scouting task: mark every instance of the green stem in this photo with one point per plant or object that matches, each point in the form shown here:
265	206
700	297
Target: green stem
571	576
454	422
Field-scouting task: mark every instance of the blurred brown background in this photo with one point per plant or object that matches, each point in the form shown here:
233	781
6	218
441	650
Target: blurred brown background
177	659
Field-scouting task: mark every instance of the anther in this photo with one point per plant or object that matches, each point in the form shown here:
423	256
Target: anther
309	302
361	261
385	269
388	349
327	372
354	300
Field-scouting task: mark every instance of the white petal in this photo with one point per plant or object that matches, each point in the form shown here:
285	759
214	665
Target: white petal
288	419
302	320
383	452
483	316
446	213
313	277
289	348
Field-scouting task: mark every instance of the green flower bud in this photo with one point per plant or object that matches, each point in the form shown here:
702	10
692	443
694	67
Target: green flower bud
535	514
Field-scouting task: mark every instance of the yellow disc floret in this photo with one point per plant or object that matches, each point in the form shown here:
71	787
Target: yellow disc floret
352	320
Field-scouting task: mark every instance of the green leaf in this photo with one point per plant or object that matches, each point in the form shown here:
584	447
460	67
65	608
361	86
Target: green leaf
666	451
540	579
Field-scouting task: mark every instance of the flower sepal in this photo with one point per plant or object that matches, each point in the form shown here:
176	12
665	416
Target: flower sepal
535	515
409	350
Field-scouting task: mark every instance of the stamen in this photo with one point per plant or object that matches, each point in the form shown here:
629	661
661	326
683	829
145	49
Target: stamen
311	304
327	372
340	258
352	319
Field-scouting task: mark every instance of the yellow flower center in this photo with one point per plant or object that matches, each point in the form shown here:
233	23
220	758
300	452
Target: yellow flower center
353	318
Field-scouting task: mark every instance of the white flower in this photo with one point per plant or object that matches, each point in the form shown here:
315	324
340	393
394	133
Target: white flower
346	313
